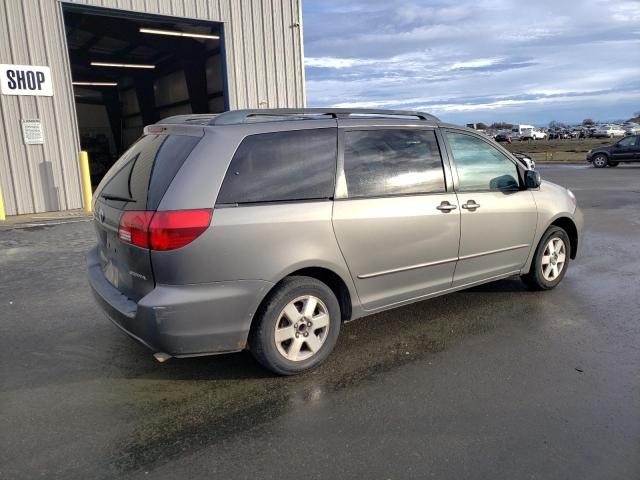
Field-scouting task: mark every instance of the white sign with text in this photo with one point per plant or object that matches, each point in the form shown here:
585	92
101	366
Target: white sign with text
25	80
32	132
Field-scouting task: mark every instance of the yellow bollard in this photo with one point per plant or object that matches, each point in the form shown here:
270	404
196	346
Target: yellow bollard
3	216
85	178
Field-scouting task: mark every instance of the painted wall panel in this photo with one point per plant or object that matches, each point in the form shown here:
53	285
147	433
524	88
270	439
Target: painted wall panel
264	67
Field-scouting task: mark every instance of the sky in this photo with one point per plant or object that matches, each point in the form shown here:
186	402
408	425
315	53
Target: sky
476	60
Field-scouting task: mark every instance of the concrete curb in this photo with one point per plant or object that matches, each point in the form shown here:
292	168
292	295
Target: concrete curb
560	162
44	219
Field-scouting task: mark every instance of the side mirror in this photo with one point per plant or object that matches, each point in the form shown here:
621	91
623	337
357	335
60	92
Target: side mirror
532	179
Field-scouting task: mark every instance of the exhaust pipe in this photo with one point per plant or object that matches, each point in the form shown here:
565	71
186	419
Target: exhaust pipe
161	357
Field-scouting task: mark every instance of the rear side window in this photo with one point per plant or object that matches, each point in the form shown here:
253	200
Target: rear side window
140	178
392	162
282	166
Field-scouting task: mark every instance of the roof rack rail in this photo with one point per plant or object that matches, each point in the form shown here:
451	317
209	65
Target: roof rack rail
193	119
243	116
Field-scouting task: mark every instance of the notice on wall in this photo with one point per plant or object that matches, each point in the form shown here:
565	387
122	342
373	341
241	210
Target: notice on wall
32	132
25	80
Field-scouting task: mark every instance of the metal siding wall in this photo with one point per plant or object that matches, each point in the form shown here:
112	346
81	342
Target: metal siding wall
264	69
298	40
8	179
269	55
38	178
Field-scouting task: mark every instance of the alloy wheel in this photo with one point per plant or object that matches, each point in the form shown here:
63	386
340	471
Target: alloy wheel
553	259
600	161
302	328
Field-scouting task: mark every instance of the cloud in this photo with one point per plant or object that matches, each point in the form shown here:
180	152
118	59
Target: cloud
329	62
475	60
476	63
626	12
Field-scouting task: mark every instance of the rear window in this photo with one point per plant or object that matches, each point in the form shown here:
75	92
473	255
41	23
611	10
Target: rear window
282	166
140	178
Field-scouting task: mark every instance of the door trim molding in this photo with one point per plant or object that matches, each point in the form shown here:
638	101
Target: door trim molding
404	269
491	252
440	262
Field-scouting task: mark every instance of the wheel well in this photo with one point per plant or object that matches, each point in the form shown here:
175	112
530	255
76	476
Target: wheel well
568	226
606	154
334	282
329	278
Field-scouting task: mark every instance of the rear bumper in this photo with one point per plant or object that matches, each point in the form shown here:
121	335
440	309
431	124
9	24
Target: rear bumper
182	320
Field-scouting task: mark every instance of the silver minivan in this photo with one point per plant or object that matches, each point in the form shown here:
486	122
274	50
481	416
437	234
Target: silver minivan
266	229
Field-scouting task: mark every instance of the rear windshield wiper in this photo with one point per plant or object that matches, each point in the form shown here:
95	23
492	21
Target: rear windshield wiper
119	198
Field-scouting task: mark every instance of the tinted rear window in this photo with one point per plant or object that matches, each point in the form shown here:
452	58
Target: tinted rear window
282	166
392	162
144	172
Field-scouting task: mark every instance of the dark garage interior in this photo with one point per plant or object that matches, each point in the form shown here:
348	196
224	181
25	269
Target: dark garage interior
131	70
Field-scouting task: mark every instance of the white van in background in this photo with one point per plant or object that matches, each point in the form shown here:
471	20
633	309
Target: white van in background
528	132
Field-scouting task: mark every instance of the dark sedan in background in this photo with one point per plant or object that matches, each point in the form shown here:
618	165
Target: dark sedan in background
625	150
503	137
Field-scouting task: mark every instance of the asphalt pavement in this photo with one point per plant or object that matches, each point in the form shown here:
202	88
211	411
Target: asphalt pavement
494	382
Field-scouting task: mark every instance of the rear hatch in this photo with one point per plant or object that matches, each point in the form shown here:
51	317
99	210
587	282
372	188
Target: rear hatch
136	183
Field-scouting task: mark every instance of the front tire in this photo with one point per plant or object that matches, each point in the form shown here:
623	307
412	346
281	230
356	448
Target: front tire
600	160
297	327
550	261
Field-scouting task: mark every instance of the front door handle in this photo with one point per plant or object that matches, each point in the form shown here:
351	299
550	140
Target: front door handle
446	207
471	205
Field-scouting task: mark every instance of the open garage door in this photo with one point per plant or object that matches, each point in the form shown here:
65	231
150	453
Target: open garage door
130	70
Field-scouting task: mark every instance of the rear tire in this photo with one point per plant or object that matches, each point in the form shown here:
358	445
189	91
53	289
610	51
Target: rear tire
297	326
550	262
600	160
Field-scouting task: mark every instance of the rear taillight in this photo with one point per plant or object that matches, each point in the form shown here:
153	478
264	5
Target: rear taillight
134	228
166	230
175	229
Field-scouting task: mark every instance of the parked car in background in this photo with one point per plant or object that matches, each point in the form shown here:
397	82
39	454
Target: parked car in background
579	132
559	133
631	128
609	131
503	137
553	133
625	150
532	134
539	134
289	232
